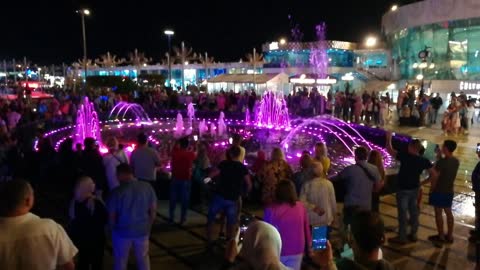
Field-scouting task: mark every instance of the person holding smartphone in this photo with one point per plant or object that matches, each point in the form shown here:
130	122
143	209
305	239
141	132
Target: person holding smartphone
367	237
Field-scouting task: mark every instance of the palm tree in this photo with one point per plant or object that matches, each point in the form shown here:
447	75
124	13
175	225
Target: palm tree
255	59
138	59
109	60
207	62
184	54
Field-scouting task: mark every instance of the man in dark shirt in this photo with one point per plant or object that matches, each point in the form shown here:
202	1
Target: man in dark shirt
436	103
476	188
412	166
232	174
441	190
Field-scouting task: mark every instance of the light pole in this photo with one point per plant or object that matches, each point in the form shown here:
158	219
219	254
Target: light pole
169	34
83	13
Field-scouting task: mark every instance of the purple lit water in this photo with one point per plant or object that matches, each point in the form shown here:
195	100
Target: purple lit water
124	110
318	53
273	111
87	124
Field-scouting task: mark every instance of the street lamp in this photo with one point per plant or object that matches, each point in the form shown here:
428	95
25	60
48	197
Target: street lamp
283	41
371	42
420	77
423	55
84	12
169	34
394	8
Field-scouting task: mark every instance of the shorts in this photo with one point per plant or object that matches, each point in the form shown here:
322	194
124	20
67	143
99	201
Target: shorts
441	200
229	208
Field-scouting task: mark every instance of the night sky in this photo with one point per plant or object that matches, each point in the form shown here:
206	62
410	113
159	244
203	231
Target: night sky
49	31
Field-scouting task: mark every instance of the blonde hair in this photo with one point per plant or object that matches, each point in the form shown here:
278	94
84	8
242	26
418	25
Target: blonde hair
324	149
375	158
317	169
277	154
84	188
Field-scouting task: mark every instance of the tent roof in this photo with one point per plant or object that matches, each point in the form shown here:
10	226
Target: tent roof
243	78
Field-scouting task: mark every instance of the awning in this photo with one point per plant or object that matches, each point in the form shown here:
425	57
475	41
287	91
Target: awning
243	78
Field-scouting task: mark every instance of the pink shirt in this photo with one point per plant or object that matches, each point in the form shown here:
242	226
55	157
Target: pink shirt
293	225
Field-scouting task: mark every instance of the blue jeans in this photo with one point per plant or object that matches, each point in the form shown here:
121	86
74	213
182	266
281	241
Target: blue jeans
229	208
179	191
407	201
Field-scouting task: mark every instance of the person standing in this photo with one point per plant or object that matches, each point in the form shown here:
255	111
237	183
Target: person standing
132	210
360	180
91	164
274	171
180	187
111	160
232	175
436	104
290	218
236	141
144	161
412	166
375	158
476	188
318	196
28	242
88	217
441	190
321	155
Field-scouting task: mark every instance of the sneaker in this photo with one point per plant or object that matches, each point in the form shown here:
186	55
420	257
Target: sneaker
412	238
436	238
397	240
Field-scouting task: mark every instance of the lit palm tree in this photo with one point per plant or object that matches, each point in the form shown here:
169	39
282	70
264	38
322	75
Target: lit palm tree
255	59
109	60
207	62
184	55
138	59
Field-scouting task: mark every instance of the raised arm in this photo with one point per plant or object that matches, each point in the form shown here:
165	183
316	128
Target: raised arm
389	145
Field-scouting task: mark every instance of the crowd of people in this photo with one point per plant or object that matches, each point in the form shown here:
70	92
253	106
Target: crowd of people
121	193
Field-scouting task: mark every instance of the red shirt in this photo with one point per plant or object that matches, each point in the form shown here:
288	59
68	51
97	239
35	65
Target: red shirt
182	163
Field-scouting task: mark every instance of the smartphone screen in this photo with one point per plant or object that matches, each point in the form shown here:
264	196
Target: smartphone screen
319	237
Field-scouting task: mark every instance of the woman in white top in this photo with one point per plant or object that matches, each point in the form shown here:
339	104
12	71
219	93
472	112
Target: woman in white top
318	196
111	160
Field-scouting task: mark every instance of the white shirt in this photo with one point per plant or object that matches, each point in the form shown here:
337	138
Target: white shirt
319	192
111	161
29	242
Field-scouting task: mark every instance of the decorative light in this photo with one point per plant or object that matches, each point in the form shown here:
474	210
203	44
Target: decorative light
415	65
283	41
432	66
420	77
348	77
371	42
423	65
169	32
394	8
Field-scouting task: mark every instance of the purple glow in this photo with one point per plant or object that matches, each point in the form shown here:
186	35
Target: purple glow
121	109
273	111
87	124
318	54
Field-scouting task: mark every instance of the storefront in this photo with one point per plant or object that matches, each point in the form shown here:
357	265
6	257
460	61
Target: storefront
244	82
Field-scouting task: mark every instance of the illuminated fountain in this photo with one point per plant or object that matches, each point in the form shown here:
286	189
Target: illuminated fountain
202	128
272	112
179	125
318	54
87	124
222	128
133	111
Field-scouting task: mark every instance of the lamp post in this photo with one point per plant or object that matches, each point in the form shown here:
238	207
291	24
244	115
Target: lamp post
169	34
83	13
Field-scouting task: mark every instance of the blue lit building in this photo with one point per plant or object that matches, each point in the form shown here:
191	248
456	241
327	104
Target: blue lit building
451	32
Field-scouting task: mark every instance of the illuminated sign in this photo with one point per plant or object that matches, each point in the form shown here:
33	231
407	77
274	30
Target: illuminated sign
469	86
273	46
348	77
327	81
302	81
